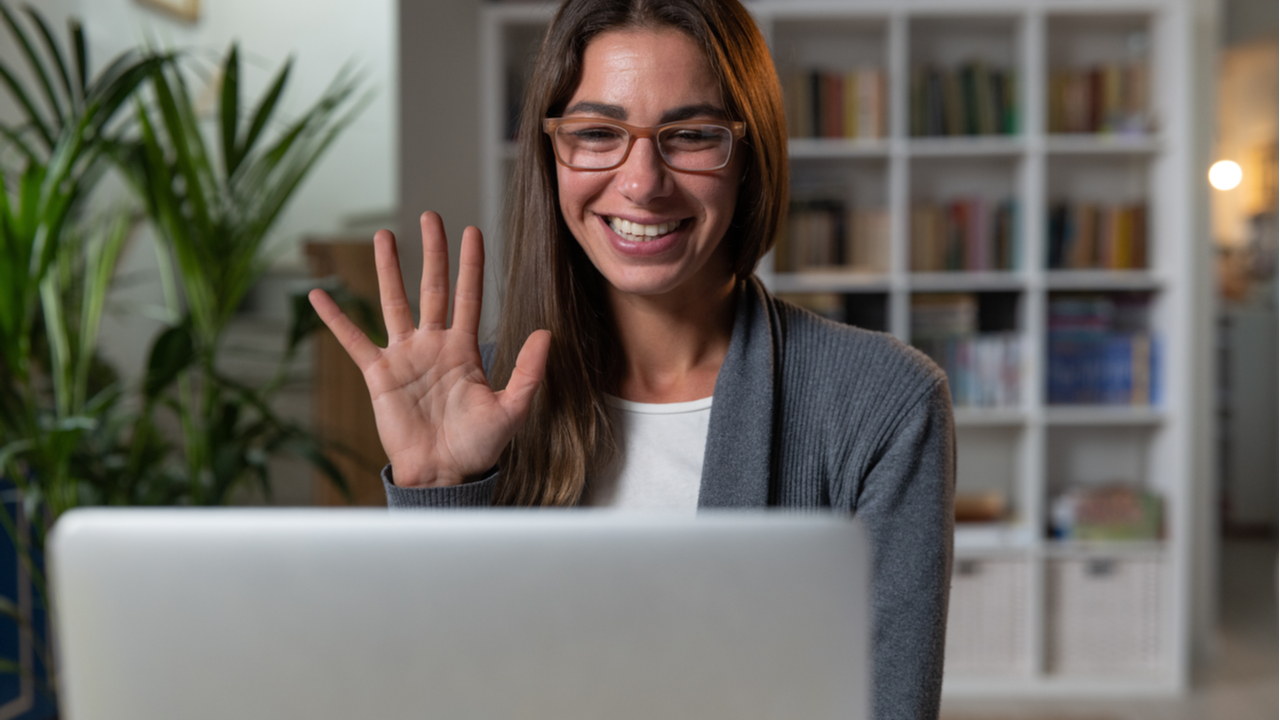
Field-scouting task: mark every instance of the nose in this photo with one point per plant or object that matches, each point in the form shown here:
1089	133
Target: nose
643	178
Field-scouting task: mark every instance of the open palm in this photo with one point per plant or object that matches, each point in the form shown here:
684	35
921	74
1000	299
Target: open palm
439	420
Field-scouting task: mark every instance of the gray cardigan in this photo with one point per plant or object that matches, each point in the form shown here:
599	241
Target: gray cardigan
810	413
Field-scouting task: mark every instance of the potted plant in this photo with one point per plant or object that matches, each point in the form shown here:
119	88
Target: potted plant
70	433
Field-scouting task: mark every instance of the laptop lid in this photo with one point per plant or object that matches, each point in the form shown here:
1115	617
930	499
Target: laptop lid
564	615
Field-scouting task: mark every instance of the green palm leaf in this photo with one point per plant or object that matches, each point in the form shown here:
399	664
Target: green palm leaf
37	66
81	56
230	107
214	212
35	119
51	47
263	112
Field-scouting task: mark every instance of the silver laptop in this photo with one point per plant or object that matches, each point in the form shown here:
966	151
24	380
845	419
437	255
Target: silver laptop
548	615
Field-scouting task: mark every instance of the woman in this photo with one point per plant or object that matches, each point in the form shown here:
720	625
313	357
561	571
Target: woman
651	178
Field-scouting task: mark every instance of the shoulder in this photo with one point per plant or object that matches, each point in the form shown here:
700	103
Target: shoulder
850	401
817	349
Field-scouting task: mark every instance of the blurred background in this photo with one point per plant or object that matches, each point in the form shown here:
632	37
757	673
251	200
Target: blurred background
1024	193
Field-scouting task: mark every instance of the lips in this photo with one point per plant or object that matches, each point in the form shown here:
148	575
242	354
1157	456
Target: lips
637	232
645	247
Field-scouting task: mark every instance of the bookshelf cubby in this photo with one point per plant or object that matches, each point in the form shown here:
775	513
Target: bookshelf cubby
1059	111
1099	74
964	75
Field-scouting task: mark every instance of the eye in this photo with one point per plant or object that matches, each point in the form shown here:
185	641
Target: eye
694	137
595	133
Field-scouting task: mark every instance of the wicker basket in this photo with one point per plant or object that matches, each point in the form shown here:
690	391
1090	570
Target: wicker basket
1105	616
988	624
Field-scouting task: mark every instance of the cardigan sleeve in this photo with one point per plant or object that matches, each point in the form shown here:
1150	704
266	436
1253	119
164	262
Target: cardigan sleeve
478	493
907	503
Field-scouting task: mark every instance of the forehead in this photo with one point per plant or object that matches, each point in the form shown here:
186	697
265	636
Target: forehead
643	70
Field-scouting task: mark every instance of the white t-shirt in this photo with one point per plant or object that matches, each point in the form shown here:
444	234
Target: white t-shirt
658	465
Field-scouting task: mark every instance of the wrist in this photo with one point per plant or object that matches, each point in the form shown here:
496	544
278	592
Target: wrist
408	476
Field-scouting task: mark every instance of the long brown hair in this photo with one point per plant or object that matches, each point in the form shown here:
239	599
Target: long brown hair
552	284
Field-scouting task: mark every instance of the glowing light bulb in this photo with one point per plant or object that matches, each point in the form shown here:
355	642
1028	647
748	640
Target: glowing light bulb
1225	175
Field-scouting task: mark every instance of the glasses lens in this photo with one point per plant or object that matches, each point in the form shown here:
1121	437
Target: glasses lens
590	145
695	147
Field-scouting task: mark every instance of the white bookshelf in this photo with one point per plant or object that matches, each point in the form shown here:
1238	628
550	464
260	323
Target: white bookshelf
1019	597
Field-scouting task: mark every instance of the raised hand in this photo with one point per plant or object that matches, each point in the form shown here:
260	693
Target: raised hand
438	419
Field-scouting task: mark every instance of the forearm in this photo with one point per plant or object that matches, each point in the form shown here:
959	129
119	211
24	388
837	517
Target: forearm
907	503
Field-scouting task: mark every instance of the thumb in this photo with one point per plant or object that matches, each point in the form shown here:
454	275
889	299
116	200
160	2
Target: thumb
530	369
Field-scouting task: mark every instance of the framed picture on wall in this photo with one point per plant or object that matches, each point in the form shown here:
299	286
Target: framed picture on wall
185	10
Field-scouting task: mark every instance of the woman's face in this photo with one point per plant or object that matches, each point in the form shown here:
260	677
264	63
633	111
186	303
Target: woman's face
646	78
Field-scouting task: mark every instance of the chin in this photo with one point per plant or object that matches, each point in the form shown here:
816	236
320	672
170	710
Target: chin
641	283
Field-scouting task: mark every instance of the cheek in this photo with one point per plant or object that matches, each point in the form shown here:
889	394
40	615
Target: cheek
564	192
722	197
576	190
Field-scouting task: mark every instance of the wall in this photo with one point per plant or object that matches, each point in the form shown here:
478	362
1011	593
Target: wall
357	179
358	176
1245	21
439	119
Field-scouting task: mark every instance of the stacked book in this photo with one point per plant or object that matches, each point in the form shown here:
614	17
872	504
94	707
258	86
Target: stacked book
1087	236
1099	353
983	369
973	99
826	234
971	234
837	104
1102	99
1114	511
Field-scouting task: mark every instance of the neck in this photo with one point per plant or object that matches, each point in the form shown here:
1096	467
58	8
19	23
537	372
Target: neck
674	343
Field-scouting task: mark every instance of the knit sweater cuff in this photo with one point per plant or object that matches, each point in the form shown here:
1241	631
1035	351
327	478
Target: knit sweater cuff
471	494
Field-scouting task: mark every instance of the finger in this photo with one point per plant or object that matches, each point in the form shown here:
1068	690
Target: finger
435	272
467	296
361	349
531	367
395	306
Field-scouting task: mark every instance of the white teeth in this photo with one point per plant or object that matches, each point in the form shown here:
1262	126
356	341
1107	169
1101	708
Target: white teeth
639	232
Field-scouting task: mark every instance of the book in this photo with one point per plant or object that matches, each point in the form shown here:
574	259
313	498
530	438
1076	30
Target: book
826	103
1111	511
1101	98
825	234
970	234
1087	236
872	99
1100	352
969	99
983	368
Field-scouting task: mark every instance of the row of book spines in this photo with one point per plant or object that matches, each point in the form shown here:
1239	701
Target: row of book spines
983	370
1105	369
967	234
831	104
972	99
824	234
1105	98
936	315
1086	236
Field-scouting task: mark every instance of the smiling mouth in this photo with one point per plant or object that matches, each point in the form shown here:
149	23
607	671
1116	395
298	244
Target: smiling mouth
635	232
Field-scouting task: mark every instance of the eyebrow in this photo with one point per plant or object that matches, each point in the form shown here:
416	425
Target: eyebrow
685	112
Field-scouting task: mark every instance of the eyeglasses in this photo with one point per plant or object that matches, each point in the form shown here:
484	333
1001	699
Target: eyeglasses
591	144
